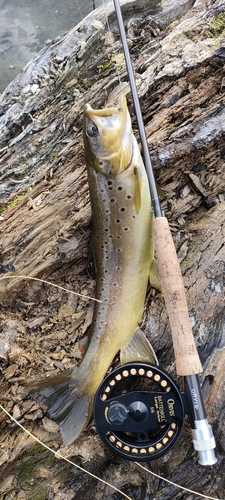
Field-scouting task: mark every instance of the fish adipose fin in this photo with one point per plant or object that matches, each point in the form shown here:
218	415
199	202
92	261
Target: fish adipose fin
65	403
138	349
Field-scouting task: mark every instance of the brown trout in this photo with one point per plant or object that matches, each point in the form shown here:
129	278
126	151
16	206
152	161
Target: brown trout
123	255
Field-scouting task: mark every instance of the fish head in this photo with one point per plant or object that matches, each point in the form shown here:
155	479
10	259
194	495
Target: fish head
108	138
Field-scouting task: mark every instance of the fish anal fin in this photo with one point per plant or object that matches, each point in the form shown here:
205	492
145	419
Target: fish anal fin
138	349
154	277
66	402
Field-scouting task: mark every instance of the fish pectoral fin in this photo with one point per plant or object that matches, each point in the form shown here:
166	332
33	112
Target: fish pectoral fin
138	349
66	403
154	277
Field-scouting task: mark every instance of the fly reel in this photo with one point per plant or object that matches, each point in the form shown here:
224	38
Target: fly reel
139	411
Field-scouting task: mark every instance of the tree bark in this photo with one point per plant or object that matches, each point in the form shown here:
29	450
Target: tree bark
45	231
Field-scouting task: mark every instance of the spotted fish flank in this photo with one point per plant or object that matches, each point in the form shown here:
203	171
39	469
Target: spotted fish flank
123	253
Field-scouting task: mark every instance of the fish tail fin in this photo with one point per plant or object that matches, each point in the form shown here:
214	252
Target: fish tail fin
66	401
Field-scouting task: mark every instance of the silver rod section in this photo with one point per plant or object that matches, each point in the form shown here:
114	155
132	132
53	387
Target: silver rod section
144	142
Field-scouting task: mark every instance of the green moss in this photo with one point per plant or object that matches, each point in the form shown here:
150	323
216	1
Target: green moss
12	202
218	25
104	65
28	471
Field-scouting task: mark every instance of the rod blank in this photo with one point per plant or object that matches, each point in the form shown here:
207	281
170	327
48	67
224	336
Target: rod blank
141	127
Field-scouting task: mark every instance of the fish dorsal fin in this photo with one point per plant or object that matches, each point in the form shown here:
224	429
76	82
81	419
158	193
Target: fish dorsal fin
138	349
137	190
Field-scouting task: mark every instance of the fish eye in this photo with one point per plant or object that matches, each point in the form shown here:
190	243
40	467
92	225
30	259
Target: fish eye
92	130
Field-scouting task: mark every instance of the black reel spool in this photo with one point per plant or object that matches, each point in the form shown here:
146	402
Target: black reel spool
139	411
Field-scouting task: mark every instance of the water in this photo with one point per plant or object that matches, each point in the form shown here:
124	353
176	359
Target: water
26	25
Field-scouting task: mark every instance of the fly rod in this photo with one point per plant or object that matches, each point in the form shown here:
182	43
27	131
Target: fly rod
188	364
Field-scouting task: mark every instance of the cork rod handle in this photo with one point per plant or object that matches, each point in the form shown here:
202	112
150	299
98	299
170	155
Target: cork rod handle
186	355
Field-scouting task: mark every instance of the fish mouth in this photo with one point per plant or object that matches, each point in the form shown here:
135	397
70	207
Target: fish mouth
113	143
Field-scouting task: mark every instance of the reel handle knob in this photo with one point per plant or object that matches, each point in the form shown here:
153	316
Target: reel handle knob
117	413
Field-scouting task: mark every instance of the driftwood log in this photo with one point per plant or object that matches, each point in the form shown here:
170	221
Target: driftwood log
178	54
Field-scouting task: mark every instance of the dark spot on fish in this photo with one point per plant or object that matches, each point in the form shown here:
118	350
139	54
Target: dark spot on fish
115	284
120	188
110	236
112	200
118	237
133	216
119	249
118	221
106	229
126	228
123	209
109	183
107	211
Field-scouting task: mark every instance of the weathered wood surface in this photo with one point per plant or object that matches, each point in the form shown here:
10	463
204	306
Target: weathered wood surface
45	231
